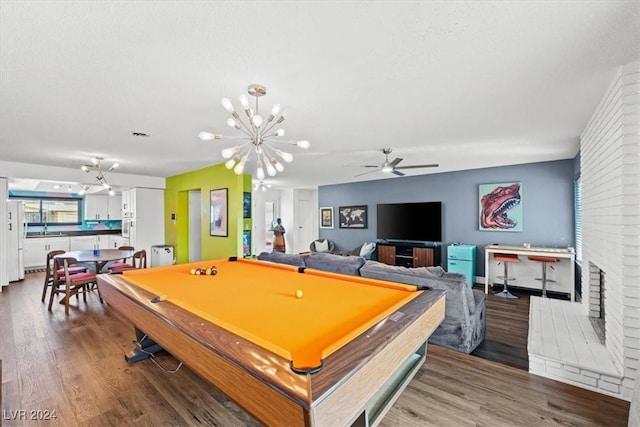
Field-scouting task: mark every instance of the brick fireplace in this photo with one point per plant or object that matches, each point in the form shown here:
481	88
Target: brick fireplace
597	306
610	176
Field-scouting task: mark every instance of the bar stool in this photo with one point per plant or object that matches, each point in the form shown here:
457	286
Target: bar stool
505	259
544	260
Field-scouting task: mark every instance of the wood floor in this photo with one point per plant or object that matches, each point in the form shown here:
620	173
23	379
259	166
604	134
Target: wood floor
74	366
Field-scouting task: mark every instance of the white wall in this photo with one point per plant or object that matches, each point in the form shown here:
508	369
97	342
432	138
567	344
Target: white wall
4	267
610	175
54	173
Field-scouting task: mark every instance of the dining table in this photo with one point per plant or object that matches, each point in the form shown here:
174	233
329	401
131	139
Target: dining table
100	257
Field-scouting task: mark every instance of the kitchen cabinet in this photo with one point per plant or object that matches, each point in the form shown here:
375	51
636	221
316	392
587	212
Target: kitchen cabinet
90	242
115	241
102	207
114	207
36	249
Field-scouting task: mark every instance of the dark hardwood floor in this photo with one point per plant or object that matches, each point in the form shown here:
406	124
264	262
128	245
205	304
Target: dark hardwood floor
74	366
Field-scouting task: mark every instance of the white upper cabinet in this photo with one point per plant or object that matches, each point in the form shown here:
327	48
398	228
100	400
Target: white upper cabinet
102	207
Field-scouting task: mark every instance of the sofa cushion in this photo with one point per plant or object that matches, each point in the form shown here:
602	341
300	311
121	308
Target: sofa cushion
282	258
335	263
367	249
425	277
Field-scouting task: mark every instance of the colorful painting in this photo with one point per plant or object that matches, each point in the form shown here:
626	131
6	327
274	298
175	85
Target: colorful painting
246	205
500	206
246	243
219	213
353	216
326	217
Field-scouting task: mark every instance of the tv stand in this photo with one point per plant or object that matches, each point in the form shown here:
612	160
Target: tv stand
409	253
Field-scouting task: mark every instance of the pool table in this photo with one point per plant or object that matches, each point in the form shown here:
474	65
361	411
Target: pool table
292	346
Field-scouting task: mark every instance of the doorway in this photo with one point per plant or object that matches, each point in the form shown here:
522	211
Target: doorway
195	226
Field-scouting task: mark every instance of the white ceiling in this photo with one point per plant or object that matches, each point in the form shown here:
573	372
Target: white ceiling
462	84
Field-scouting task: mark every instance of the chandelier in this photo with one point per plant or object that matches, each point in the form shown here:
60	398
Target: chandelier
96	167
259	134
261	186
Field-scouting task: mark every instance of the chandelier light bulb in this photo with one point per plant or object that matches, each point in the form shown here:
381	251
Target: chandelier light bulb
116	165
227	153
260	170
206	136
95	161
232	123
85	168
111	192
244	101
105	185
231	163
275	110
280	132
257	120
287	157
303	144
240	166
226	103
271	171
279	167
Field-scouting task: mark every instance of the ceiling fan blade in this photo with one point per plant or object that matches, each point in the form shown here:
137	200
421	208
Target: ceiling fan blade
365	173
395	162
395	172
435	165
370	166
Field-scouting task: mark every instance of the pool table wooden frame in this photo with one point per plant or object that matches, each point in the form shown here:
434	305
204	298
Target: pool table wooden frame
356	386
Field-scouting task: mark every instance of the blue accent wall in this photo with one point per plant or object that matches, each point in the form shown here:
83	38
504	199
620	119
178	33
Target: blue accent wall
547	201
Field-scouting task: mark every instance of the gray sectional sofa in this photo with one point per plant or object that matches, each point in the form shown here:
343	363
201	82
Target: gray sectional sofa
464	325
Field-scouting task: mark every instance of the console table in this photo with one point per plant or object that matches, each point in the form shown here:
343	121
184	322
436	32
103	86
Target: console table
409	254
526	271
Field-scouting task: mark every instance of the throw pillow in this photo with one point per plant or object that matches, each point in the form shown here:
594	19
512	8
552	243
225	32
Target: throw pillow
367	248
322	245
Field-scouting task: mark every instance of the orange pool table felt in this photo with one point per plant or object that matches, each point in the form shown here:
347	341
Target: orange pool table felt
257	300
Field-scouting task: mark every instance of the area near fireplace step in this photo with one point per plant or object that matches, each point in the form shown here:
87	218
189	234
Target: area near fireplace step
563	346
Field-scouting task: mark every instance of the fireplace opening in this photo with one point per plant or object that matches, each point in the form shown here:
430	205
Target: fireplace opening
597	303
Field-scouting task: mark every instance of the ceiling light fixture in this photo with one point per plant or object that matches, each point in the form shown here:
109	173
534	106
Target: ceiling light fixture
97	168
259	133
261	186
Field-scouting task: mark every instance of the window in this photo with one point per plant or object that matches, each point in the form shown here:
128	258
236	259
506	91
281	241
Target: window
577	209
52	211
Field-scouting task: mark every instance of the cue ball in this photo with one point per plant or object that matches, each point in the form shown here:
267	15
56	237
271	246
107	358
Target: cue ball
299	293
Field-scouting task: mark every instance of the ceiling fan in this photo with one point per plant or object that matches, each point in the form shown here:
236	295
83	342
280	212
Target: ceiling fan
392	167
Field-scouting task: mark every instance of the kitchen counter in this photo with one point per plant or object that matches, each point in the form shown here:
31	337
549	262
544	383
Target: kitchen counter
34	234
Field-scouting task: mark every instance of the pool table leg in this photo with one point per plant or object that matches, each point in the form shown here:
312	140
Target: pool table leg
145	347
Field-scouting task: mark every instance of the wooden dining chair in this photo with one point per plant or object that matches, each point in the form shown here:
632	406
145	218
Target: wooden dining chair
123	263
49	275
68	284
139	260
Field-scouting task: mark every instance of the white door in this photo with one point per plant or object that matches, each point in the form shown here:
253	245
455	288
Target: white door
304	233
195	226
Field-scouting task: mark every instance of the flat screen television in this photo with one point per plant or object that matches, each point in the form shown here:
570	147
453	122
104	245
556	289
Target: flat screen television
410	221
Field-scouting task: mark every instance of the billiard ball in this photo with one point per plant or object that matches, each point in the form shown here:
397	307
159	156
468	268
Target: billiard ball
299	293
214	271
192	271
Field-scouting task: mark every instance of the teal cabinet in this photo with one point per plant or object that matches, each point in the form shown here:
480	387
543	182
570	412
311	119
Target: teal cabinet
462	259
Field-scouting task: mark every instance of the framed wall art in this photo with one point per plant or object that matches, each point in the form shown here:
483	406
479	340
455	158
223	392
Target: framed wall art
326	217
246	205
500	206
219	212
353	216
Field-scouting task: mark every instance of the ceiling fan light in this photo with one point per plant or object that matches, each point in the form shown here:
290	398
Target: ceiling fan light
387	168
